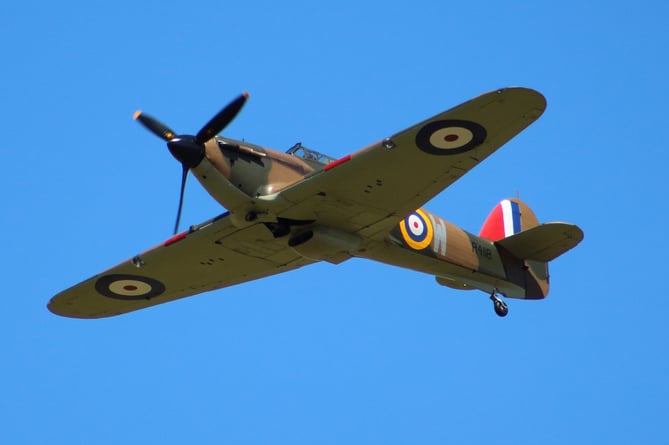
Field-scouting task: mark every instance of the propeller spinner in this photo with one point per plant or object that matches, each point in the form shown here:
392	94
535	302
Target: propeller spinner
188	149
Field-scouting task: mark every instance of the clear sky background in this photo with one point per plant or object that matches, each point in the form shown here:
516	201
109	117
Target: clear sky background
360	352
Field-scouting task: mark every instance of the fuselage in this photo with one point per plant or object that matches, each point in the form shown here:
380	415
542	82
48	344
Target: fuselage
286	210
242	174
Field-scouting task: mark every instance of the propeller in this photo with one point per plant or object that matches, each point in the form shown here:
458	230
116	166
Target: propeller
187	149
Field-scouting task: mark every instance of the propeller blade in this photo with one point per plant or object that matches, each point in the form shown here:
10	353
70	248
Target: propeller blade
222	119
154	125
184	176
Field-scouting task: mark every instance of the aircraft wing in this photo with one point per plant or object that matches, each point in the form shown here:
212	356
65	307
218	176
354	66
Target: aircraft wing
210	256
366	193
369	191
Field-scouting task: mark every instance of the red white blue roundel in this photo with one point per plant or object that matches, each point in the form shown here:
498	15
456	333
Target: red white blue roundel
417	230
449	137
129	287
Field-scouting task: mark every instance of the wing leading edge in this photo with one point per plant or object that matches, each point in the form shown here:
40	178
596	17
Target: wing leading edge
369	191
365	193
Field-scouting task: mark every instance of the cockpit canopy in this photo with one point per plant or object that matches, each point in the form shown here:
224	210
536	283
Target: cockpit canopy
308	154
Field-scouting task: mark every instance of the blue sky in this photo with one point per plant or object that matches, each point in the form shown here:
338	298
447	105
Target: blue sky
360	352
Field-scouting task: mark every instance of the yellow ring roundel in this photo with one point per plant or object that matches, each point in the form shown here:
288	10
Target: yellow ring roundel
417	230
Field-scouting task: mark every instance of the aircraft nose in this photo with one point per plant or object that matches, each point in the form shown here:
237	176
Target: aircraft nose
186	150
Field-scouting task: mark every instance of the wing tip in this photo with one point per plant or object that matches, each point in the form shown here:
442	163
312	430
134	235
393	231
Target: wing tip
538	99
64	309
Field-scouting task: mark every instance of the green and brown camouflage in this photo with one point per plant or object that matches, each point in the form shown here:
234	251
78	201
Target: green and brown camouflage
462	260
259	171
288	210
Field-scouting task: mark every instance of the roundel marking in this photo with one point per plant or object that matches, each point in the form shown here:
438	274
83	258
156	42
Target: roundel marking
129	287
417	230
450	137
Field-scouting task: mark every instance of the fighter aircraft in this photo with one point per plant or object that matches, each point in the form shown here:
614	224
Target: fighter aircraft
292	209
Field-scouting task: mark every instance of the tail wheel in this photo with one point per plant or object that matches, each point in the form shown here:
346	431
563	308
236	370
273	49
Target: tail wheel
500	306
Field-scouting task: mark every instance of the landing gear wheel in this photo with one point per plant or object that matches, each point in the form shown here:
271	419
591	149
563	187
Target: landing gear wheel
500	306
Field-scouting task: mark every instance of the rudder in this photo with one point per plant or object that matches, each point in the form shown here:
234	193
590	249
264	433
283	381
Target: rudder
506	221
508	217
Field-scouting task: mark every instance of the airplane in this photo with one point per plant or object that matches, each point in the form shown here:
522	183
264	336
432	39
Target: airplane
286	210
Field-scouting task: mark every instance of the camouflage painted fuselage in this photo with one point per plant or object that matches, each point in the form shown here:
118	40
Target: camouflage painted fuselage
462	260
289	210
455	257
254	170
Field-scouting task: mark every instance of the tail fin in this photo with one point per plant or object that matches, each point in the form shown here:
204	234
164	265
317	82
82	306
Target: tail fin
507	218
515	227
516	232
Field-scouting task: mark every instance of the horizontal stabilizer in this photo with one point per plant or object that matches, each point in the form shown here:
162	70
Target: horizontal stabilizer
542	243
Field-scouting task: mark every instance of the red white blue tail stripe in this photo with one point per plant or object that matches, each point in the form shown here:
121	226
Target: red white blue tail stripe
503	221
511	212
